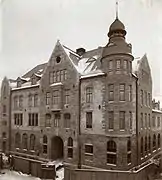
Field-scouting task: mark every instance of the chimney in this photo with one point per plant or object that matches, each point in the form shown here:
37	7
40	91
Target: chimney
80	51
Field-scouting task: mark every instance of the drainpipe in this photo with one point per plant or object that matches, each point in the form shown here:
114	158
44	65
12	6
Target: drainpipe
79	130
137	121
9	125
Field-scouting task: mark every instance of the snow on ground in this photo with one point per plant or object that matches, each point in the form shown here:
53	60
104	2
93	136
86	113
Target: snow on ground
13	175
60	174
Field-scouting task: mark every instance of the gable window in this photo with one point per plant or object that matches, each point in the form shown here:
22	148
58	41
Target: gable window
45	141
129	151
70	147
51	77
111	152
57	117
67	120
141	120
111	119
56	98
35	100
67	96
89	95
110	65
17	140
125	64
89	152
58	59
88	119
58	78
65	74
130	93
122	120
48	120
118	64
33	80
24	141
48	98
32	142
122	92
111	92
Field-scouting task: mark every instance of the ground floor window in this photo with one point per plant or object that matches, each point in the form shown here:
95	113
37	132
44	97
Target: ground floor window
111	152
70	147
89	152
45	141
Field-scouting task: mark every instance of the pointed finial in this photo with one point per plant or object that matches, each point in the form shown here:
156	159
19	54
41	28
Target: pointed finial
116	9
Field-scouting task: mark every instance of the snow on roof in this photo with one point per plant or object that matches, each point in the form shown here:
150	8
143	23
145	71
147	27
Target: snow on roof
156	110
38	75
25	79
70	51
24	87
135	65
93	74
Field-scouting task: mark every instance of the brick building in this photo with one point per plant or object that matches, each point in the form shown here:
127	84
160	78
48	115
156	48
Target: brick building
91	108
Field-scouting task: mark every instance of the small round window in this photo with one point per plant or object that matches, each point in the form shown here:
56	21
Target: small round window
58	59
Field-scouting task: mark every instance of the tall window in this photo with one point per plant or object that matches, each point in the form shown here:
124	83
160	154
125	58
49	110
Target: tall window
57	117
130	93
65	74
142	153
158	121
153	121
141	96
32	142
70	147
89	152
111	92
62	75
89	94
18	119
48	120
56	98
146	145
129	151
122	92
111	152
111	119
4	110
159	141
154	143
33	119
67	96
48	98
149	144
149	121
118	64
67	120
35	100
145	98
24	141
15	102
88	119
58	78
30	100
130	119
17	140
125	64
145	120
20	101
122	120
141	120
149	99
45	142
110	65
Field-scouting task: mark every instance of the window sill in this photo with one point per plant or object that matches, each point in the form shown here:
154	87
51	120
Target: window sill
32	151
111	130
24	149
111	164
122	130
129	164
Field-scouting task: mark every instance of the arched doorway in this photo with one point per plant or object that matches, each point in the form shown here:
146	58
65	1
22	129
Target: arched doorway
57	148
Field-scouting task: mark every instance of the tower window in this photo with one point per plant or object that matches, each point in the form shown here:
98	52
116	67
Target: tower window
118	64
122	92
110	66
111	92
125	64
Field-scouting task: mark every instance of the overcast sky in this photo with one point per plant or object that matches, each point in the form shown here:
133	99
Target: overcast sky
30	29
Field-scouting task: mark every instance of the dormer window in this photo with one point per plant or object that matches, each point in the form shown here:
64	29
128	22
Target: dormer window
19	83
33	80
58	59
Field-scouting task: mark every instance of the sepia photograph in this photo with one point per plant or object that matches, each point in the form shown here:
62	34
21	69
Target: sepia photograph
80	89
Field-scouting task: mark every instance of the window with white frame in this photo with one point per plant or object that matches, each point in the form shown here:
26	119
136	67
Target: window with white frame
89	94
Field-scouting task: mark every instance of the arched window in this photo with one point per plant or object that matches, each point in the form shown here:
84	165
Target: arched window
17	140
141	146
149	144
154	143
70	147
111	152
129	151
158	140
45	142
32	142
146	145
24	141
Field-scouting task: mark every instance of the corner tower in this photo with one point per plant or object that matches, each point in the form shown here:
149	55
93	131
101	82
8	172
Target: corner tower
119	98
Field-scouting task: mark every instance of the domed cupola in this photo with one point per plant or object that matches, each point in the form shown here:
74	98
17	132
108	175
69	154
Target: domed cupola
117	29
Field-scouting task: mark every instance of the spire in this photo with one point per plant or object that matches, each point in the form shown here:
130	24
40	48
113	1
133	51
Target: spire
117	9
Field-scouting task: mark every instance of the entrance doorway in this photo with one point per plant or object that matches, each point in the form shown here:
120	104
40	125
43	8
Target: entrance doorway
57	148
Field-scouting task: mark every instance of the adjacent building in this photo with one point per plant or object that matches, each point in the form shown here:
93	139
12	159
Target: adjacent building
91	108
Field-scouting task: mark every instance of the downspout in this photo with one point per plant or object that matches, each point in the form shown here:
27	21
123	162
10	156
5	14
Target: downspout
79	129
9	126
137	121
